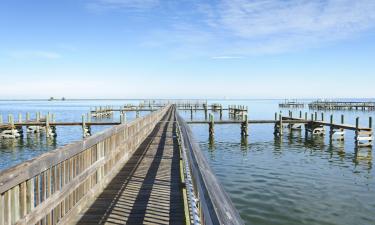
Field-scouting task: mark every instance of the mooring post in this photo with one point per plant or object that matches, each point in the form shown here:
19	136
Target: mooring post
323	116
83	126
244	124
221	111
331	131
300	114
281	123
275	116
191	113
370	122
121	118
305	115
47	126
205	111
357	132
1	118
27	117
211	125
11	122
316	116
342	119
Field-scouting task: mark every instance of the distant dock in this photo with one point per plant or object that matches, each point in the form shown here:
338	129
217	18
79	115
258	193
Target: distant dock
342	105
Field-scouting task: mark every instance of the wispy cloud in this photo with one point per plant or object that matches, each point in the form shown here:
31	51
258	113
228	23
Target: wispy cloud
248	27
34	55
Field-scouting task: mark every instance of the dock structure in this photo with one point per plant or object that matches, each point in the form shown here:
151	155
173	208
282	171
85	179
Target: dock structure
314	126
148	171
291	104
341	105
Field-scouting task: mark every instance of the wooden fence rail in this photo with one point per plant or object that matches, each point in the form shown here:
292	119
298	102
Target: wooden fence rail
57	185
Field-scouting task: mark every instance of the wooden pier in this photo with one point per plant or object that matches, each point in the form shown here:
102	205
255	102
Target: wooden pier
291	104
148	171
363	135
341	105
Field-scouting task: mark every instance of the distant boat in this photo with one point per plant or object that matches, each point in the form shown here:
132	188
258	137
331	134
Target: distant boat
51	99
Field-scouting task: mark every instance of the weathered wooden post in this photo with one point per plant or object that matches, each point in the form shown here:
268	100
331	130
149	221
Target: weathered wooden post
191	113
342	119
11	123
137	114
47	126
221	111
211	125
205	111
244	128
331	129
19	118
323	116
357	132
316	116
370	122
122	118
305	115
1	118
281	124
300	114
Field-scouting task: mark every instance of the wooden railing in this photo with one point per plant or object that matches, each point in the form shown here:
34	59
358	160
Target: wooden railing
56	186
213	203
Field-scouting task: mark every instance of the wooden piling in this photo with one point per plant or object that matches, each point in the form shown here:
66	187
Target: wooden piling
370	122
244	126
211	125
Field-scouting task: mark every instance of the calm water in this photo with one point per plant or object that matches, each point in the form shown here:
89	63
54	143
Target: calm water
292	180
288	180
13	152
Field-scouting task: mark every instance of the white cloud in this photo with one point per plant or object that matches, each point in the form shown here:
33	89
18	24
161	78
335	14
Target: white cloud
34	55
248	27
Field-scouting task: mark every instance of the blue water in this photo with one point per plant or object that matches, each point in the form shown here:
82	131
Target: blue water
288	180
14	151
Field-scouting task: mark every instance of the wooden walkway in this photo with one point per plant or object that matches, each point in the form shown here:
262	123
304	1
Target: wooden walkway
147	190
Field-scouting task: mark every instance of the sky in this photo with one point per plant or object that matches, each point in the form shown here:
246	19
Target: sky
187	49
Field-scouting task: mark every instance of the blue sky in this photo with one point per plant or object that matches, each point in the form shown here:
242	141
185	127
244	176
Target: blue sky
187	49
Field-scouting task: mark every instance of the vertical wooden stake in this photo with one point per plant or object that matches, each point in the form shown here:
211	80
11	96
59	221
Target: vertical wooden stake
342	119
323	116
19	117
370	122
83	126
211	125
1	118
281	124
244	128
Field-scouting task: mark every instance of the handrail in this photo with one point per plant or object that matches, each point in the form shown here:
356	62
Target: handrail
47	188
215	206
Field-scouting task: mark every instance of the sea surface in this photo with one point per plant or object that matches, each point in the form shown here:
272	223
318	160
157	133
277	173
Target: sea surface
289	180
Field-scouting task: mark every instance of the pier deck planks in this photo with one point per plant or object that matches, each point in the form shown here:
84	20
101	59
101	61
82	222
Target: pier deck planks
147	190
